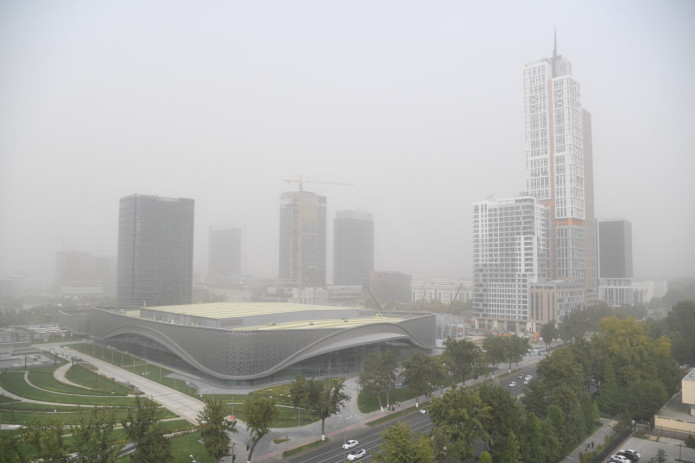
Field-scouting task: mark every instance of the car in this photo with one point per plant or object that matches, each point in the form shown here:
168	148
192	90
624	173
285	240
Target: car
512	384
423	411
526	381
528	377
633	455
350	444
356	454
620	458
629	456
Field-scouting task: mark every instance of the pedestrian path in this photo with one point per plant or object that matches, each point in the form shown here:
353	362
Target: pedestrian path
593	441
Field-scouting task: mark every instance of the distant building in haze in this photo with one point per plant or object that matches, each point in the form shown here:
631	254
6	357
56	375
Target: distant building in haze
353	247
510	253
81	273
591	281
390	287
224	254
302	256
615	261
442	291
155	251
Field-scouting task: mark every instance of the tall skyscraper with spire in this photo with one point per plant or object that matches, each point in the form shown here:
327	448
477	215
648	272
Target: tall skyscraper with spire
555	164
558	248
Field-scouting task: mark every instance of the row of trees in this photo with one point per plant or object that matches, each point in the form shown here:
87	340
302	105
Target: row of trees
462	359
625	369
92	438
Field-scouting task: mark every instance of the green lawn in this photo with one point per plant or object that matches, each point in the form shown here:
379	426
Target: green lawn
84	376
135	365
26	412
44	379
14	382
183	446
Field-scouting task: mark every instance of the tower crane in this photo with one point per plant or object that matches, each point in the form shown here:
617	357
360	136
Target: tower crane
300	227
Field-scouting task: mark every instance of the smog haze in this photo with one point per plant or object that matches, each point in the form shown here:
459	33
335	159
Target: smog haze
408	110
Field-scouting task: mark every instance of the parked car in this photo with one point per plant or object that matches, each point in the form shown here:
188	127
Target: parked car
512	384
350	444
423	411
356	454
633	455
620	459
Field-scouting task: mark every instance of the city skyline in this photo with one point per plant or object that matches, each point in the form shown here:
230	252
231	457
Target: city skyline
419	108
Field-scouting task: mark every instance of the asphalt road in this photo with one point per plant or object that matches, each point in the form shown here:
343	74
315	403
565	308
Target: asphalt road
371	440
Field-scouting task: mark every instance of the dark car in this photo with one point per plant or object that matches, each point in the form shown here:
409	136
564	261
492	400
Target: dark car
630	454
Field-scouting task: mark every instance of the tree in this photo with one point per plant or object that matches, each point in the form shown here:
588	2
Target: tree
47	440
587	406
643	398
93	436
533	437
458	422
518	347
299	392
379	373
421	371
495	348
143	428
511	452
485	457
214	426
11	450
573	325
505	416
549	333
609	391
680	325
660	457
326	400
462	357
260	412
402	445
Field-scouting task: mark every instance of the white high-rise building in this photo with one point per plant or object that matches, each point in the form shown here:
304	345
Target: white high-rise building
555	160
510	253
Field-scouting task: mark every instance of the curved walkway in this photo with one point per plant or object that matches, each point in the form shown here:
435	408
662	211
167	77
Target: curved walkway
60	374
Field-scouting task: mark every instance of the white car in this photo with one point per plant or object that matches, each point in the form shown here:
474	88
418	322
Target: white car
512	384
423	411
356	454
350	444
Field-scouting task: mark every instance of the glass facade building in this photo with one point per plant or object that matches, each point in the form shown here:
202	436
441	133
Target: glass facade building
353	247
155	251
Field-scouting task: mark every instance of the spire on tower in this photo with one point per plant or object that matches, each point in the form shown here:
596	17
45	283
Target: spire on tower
555	59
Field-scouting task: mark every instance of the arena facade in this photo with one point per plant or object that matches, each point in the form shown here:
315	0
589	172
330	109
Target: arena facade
258	343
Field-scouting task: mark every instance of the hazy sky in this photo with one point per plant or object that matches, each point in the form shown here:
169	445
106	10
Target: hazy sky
418	105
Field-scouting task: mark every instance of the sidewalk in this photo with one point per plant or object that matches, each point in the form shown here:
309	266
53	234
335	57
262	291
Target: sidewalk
598	438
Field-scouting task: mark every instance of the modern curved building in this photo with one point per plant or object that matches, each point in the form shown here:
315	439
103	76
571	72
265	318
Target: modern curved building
257	343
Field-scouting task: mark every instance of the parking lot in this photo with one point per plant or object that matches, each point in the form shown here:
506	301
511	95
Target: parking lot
675	448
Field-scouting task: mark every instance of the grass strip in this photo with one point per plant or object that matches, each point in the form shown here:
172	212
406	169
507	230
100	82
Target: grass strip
44	379
14	382
85	377
311	445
